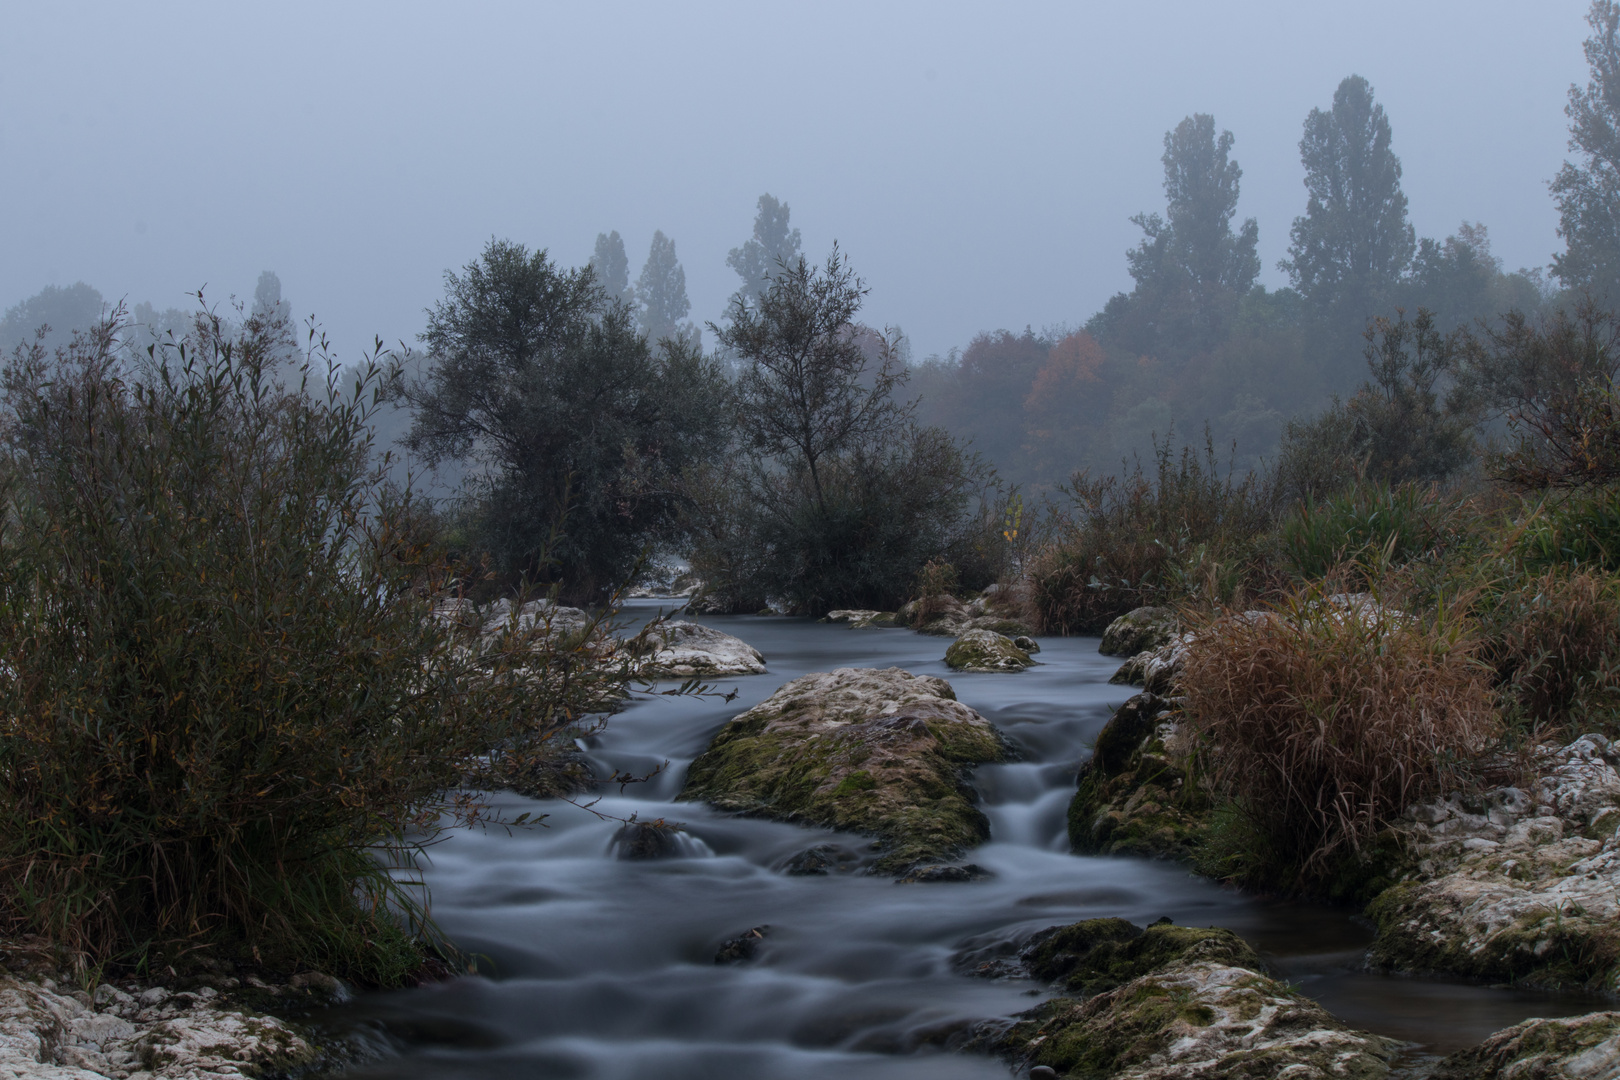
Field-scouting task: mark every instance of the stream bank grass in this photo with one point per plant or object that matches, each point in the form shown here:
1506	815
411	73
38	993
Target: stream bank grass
227	708
1322	720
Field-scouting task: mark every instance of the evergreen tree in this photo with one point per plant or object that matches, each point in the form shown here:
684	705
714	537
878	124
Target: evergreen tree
1354	242
612	267
1588	193
1192	269
661	302
772	247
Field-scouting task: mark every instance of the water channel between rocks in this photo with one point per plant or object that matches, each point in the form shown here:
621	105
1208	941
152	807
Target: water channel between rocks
603	968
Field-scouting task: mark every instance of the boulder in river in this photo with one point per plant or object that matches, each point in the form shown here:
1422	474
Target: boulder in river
686	650
881	752
1138	631
639	840
1134	794
986	650
1171	1002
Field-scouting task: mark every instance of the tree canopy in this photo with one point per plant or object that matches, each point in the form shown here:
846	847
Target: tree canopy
580	426
1588	191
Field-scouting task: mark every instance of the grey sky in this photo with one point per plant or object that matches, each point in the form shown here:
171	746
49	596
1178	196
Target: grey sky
977	162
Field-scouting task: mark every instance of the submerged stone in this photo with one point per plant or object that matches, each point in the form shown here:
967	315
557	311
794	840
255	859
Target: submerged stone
881	752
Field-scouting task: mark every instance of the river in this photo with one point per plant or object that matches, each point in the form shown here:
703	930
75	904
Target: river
596	967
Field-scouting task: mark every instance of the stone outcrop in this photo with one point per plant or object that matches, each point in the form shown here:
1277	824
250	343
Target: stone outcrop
880	752
1174	1002
862	619
1134	794
1570	1048
688	650
986	650
946	616
49	1033
1517	884
1137	631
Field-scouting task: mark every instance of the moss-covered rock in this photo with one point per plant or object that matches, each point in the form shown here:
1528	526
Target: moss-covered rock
1136	794
879	752
1569	1048
1138	631
1176	1002
1514	885
985	650
1095	955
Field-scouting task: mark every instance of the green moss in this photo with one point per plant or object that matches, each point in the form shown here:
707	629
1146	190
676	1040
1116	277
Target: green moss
1133	797
860	780
1530	1049
1558	950
917	803
983	650
1099	954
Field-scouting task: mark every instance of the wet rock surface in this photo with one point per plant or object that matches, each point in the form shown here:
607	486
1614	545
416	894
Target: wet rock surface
1135	794
1173	1002
862	619
880	752
1141	630
686	650
1517	884
951	617
1572	1048
986	650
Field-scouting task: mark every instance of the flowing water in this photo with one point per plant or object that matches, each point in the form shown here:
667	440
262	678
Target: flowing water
602	968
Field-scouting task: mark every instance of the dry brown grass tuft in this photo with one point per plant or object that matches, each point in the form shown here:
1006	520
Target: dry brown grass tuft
1323	721
1557	652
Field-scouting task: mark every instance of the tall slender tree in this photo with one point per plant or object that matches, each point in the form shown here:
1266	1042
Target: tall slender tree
1353	242
1192	269
1588	192
612	267
661	302
772	247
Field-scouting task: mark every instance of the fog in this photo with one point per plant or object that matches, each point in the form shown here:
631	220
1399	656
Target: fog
979	165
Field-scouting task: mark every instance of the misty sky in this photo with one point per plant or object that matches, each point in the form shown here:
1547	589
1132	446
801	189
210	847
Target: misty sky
977	162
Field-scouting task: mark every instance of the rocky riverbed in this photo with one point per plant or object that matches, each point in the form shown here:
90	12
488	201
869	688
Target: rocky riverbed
56	1027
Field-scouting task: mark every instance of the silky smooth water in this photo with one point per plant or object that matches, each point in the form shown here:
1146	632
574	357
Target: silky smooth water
595	967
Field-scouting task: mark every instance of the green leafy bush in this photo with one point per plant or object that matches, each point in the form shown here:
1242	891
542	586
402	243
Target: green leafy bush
233	708
1370	519
1579	530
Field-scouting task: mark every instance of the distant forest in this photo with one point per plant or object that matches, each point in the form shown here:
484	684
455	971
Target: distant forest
1197	348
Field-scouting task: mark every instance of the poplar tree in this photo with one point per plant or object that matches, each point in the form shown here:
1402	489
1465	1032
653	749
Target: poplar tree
1353	242
773	248
612	267
661	301
1588	192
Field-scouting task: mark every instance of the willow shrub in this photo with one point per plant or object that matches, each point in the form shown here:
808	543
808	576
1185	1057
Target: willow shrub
229	716
1325	720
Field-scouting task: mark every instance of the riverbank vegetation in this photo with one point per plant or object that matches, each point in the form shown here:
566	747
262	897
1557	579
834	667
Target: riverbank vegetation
237	701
